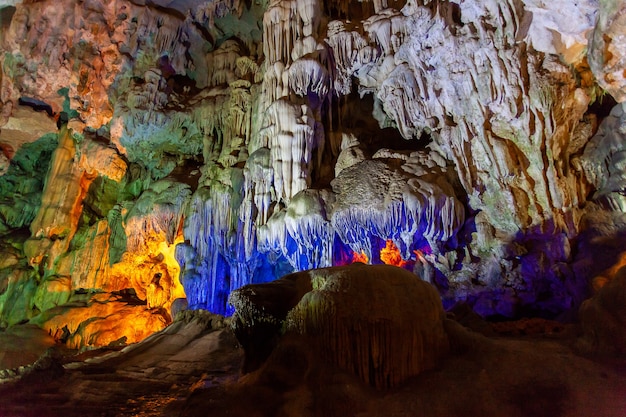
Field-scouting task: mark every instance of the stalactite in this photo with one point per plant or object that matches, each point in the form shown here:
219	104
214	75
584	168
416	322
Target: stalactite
608	146
291	137
495	90
392	206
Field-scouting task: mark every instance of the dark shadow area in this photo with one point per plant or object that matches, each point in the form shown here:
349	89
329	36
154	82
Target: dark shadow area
6	15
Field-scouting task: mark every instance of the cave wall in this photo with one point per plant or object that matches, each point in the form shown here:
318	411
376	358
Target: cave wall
162	154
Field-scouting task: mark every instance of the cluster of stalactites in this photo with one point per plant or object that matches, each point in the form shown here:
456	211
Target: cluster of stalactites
287	26
291	135
302	233
463	77
369	202
295	69
406	206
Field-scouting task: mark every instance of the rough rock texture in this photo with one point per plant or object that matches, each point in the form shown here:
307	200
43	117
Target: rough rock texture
191	368
260	313
607	48
603	317
379	321
203	145
608	146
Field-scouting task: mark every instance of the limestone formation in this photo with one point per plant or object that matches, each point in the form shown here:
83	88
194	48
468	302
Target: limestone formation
381	322
608	177
186	149
607	48
260	312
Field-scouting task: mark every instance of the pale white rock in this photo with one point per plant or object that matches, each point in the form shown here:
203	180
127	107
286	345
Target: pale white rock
372	199
272	236
608	177
559	27
307	224
222	63
351	153
350	50
466	85
291	136
607	49
308	76
259	188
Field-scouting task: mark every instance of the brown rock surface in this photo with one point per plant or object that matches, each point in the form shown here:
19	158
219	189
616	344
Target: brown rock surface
603	317
381	322
191	369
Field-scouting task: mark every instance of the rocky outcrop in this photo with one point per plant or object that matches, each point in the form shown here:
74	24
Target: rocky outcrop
380	322
260	313
203	146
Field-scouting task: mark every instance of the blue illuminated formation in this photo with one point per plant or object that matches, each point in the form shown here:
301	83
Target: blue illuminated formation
214	262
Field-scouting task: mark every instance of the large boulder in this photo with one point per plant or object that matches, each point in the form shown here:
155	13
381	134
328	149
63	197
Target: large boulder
381	322
260	310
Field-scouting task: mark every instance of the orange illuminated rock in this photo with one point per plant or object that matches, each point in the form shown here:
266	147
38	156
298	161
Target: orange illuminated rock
105	319
390	255
57	220
359	257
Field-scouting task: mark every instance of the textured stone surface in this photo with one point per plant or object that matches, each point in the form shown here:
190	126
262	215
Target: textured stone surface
379	321
608	47
603	317
203	146
260	313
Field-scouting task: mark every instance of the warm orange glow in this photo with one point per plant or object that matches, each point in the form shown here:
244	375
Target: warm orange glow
152	270
607	275
390	254
104	321
359	257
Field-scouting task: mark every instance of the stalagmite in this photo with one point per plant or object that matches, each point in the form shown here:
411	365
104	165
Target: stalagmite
380	322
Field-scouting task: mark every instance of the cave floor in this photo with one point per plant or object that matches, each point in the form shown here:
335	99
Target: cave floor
192	369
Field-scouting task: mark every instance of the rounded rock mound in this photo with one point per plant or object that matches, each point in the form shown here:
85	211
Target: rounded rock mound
381	322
